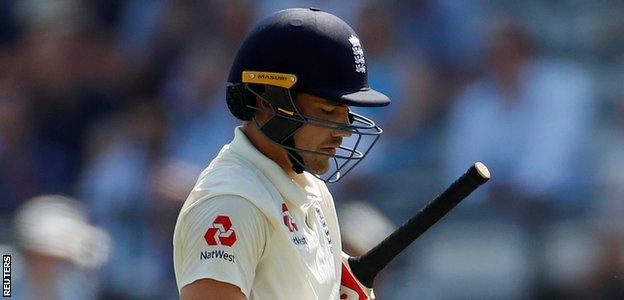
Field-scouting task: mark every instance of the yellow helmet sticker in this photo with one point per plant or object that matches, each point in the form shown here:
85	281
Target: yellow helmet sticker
288	112
277	79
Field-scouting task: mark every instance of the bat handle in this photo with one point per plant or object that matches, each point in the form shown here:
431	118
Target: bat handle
366	267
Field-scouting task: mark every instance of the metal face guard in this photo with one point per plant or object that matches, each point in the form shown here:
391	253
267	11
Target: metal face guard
285	120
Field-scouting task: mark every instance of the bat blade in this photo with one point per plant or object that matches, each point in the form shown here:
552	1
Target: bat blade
366	267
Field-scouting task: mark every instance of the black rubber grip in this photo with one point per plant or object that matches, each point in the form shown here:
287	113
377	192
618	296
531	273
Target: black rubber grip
367	266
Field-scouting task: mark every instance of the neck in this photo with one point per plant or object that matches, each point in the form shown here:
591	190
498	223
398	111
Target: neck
269	148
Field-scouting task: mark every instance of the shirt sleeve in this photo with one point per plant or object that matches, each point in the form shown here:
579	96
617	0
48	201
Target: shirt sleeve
222	238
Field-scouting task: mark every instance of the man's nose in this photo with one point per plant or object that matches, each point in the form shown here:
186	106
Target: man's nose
341	133
344	133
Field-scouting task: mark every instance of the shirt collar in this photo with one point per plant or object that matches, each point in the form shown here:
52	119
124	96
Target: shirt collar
284	183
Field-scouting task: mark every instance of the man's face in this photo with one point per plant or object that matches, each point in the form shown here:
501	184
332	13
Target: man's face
317	138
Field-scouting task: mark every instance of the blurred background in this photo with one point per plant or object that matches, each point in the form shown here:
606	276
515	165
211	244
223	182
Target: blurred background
109	109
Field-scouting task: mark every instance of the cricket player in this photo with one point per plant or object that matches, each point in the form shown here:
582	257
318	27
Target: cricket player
260	222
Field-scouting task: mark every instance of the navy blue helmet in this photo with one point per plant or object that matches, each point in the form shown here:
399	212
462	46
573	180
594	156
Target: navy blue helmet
310	51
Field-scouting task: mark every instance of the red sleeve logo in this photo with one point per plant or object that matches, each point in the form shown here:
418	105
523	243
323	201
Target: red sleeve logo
288	220
221	232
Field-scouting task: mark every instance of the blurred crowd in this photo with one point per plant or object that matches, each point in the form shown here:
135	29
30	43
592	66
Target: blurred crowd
109	109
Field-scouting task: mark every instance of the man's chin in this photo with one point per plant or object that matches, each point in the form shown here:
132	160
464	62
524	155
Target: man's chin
320	170
317	167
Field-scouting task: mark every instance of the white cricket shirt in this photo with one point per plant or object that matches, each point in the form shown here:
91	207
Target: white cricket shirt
247	223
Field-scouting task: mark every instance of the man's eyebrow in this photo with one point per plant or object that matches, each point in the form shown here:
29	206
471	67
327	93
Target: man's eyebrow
326	102
334	107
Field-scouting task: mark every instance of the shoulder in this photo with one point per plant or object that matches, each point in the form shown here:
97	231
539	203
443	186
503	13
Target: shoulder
223	213
234	176
231	205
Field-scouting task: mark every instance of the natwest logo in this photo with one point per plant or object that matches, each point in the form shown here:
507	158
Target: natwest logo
288	220
221	232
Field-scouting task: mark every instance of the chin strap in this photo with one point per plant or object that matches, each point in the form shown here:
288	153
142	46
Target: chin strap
282	129
294	157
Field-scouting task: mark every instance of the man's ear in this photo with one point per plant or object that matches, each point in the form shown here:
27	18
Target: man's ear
262	115
262	104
